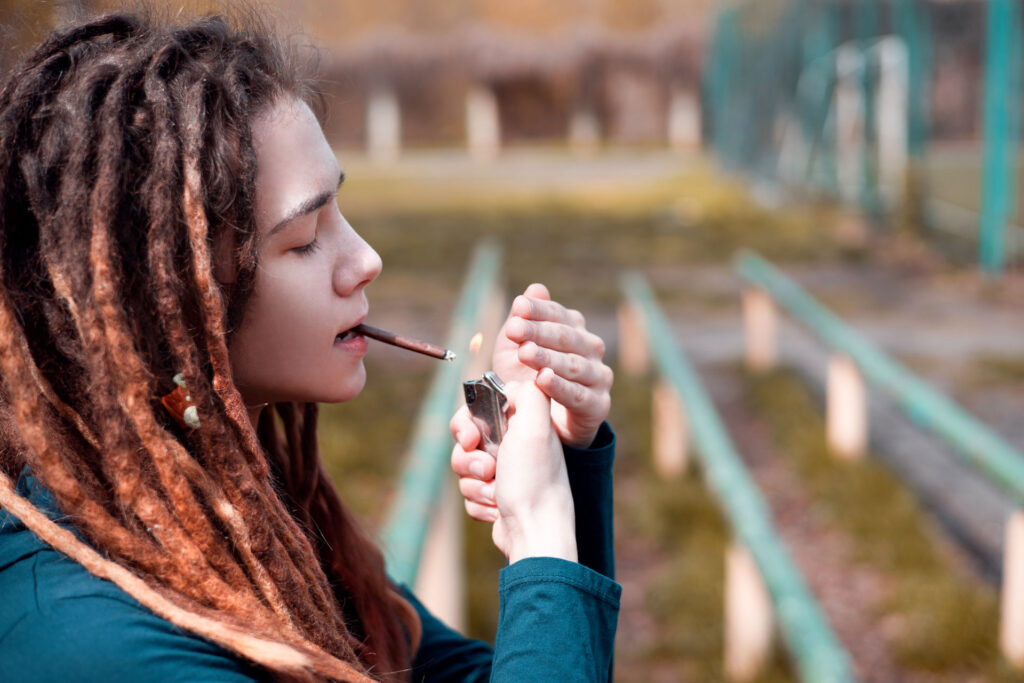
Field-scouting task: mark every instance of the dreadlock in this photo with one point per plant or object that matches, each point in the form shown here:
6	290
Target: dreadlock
125	155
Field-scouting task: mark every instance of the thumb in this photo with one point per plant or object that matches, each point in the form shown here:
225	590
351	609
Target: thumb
529	403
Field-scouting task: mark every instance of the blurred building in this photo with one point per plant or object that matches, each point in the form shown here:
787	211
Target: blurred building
623	71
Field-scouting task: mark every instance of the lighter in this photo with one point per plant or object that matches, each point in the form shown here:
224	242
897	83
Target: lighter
487	401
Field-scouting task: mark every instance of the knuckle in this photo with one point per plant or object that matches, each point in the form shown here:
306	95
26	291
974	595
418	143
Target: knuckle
573	365
607	376
577	318
563	337
599	347
579	396
604	404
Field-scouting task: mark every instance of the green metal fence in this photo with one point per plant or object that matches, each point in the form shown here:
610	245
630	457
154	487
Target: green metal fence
907	109
408	522
978	444
816	652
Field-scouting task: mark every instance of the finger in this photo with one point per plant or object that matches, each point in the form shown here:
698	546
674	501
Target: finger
477	491
542	309
465	431
570	366
537	291
556	336
481	513
577	398
475	464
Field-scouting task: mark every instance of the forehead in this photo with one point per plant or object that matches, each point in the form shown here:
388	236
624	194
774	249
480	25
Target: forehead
293	160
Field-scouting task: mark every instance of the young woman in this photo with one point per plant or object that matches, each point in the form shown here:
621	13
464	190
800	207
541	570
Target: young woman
177	290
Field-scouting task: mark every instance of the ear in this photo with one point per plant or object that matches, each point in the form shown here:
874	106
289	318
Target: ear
223	254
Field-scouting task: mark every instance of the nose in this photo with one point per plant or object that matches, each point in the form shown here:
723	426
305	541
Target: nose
359	264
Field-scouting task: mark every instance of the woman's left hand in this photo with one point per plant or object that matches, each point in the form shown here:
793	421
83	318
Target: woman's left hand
545	342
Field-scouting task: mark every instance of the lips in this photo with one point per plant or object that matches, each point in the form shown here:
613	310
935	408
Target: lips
345	336
349	334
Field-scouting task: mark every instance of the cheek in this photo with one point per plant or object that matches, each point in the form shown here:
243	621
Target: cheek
283	336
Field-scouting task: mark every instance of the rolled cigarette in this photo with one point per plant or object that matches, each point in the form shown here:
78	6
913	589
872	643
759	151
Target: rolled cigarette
426	348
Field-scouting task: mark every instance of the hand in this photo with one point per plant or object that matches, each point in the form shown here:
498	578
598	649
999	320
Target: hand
549	344
525	492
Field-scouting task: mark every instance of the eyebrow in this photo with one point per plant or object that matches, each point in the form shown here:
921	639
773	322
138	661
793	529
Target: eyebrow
307	207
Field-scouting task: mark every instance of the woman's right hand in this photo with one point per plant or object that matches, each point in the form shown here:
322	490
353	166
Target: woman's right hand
525	493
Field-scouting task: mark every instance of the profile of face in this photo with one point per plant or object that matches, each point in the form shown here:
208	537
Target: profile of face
313	269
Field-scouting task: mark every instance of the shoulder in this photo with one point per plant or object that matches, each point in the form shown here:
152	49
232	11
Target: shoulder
57	620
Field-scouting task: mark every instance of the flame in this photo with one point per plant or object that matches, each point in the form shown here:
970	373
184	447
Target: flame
476	342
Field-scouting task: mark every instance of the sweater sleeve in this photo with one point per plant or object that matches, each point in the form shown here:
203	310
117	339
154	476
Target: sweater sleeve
557	619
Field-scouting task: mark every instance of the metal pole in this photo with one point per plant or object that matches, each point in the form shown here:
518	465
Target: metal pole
980	446
817	653
999	169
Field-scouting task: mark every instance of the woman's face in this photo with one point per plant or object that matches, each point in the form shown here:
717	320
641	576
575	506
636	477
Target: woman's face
313	268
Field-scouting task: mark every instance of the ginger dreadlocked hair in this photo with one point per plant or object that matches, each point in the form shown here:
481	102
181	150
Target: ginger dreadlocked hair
125	155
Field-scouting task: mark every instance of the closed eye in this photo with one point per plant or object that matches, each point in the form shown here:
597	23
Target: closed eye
308	248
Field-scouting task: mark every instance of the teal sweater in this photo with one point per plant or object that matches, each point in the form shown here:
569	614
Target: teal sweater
557	619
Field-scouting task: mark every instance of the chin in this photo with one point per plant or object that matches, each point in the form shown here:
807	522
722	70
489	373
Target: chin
347	389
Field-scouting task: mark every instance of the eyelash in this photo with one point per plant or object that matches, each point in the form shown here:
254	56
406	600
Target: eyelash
308	248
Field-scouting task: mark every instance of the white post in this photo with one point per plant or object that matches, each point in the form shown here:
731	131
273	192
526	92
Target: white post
683	121
584	131
669	436
748	616
846	409
1011	617
634	355
441	582
849	110
760	321
483	124
383	124
893	117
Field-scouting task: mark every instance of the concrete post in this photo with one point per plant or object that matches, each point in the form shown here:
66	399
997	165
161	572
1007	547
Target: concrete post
383	125
846	411
748	616
760	321
584	131
893	118
683	121
670	435
1011	616
634	356
483	123
441	582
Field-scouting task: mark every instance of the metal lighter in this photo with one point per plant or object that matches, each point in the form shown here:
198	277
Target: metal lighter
487	401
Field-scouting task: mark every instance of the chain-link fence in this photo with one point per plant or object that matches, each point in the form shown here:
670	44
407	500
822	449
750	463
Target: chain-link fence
906	109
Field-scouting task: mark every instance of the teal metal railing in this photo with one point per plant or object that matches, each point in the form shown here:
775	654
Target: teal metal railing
816	651
408	522
925	405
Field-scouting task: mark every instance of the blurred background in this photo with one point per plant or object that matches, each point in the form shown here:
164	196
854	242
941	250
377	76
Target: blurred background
869	149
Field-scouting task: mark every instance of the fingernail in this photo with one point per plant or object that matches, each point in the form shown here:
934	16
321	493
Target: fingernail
476	468
488	492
